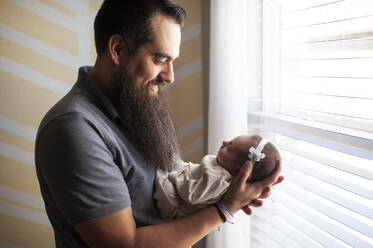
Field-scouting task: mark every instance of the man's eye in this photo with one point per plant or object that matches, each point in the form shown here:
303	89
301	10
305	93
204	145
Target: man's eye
160	60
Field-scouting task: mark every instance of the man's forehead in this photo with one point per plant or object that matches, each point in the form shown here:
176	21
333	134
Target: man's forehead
167	36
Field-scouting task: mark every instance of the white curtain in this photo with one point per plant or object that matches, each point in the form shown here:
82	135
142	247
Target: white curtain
228	98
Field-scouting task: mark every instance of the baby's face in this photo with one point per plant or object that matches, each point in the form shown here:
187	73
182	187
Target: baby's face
232	154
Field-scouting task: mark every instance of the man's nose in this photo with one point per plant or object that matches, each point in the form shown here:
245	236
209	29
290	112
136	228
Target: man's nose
167	74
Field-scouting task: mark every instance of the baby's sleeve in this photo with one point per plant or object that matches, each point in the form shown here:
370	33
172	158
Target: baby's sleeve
202	185
166	196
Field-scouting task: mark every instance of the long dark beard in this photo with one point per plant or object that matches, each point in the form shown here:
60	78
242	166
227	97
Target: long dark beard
147	122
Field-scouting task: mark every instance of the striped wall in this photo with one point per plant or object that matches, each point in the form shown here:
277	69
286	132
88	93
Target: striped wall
185	96
42	44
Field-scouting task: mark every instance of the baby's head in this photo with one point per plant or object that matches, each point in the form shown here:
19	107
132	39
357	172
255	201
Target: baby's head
233	154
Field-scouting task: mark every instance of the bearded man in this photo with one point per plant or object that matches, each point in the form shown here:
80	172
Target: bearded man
98	148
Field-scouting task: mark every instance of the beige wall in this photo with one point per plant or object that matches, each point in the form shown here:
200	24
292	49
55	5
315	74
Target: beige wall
42	44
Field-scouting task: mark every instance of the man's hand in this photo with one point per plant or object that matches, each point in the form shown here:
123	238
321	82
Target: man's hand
244	195
258	203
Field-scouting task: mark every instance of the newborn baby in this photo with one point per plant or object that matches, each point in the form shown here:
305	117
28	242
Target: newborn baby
195	186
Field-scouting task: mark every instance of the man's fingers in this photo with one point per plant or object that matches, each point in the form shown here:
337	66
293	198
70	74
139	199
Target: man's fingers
265	193
245	172
247	210
256	203
279	180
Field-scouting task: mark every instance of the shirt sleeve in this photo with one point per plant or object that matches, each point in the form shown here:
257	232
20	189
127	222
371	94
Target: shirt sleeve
79	170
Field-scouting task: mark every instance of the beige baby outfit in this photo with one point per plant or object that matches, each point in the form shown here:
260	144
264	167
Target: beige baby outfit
195	186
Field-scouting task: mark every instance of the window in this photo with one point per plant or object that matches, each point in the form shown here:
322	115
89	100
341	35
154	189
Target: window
313	63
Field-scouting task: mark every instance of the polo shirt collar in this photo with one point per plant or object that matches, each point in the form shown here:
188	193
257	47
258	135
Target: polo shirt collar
87	83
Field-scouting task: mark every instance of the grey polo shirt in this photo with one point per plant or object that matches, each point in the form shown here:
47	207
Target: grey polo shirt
85	165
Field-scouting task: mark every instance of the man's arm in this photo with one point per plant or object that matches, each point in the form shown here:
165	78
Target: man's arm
119	229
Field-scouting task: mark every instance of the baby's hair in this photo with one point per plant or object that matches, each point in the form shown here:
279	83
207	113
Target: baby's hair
265	166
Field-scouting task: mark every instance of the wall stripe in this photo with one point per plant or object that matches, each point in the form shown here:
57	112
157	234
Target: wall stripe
193	147
24	102
189	51
7	245
185	99
16	140
84	38
38	26
36	61
72	5
190	149
21	197
38	46
21	232
191	33
94	5
191	138
185	72
92	19
189	127
17	154
59	7
195	157
24	213
188	71
19	176
51	14
17	128
193	9
33	76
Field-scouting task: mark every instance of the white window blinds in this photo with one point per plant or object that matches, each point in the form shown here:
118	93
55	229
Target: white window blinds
315	101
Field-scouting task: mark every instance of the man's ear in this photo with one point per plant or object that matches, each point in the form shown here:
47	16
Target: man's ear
117	48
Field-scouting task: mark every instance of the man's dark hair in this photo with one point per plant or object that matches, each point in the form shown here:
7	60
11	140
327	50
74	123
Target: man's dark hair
132	19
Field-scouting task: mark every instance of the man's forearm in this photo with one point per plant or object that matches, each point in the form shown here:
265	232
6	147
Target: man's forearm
179	233
119	230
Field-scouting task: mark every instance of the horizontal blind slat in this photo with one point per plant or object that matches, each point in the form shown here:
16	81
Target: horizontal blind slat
328	210
354	142
300	165
321	222
327	13
333	196
346	68
274	234
256	244
328	86
328	31
292	134
359	171
288	230
322	105
300	6
363	138
306	227
263	239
